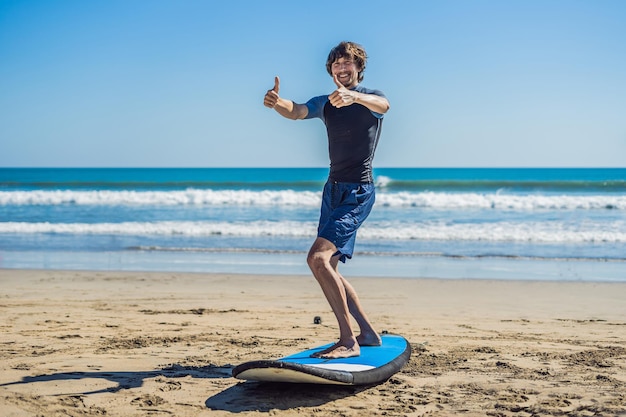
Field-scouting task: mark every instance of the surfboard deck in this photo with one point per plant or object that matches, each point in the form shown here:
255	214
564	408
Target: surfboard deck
375	364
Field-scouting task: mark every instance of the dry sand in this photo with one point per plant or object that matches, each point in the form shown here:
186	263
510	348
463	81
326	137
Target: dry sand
137	344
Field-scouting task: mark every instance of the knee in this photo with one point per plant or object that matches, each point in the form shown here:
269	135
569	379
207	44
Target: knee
316	260
319	257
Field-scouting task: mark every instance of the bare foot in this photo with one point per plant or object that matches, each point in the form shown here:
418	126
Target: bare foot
338	351
369	339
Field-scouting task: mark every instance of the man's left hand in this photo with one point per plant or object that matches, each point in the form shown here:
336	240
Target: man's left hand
341	97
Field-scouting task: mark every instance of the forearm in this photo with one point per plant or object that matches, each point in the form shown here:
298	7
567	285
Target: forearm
373	102
290	110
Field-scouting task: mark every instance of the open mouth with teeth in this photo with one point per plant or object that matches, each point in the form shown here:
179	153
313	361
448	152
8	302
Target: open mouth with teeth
344	78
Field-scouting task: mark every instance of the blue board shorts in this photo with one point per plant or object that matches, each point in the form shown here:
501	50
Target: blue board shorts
345	206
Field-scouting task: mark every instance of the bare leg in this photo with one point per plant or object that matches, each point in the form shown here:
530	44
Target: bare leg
332	284
368	336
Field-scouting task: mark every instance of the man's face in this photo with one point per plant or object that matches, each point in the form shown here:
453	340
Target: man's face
347	72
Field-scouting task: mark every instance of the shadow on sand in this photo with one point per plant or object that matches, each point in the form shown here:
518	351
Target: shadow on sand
266	396
127	380
244	396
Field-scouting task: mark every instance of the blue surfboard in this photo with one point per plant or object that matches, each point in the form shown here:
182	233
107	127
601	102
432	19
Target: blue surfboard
375	364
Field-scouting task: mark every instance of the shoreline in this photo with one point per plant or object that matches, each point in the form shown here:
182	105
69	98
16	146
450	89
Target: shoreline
437	267
136	343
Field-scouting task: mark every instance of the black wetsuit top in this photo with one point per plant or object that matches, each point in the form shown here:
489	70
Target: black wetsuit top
353	134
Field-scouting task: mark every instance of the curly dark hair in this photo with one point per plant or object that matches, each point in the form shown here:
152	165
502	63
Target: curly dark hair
348	50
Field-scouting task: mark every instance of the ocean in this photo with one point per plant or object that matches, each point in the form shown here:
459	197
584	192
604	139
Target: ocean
533	224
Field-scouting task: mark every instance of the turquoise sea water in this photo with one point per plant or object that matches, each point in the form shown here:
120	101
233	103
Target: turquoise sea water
564	224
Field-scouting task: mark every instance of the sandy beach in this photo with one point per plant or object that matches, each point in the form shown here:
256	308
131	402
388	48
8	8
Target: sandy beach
80	343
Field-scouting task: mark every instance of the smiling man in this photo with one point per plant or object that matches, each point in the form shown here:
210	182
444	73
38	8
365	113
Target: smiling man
353	116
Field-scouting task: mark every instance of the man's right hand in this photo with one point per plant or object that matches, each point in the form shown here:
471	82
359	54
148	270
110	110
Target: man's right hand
271	97
284	107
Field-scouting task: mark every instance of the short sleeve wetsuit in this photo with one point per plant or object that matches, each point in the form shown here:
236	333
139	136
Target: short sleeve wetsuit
353	133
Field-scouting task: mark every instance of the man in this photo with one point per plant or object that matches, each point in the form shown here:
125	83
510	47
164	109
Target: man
353	117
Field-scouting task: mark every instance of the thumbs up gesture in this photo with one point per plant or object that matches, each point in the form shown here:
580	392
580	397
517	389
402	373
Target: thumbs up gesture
341	97
271	97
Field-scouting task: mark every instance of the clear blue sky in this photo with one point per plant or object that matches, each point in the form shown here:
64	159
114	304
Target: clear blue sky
472	83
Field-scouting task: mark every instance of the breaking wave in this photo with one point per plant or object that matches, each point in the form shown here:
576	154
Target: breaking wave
503	231
291	198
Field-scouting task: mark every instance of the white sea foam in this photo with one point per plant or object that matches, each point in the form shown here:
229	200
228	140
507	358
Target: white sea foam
528	232
383	181
427	200
185	228
162	198
501	201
